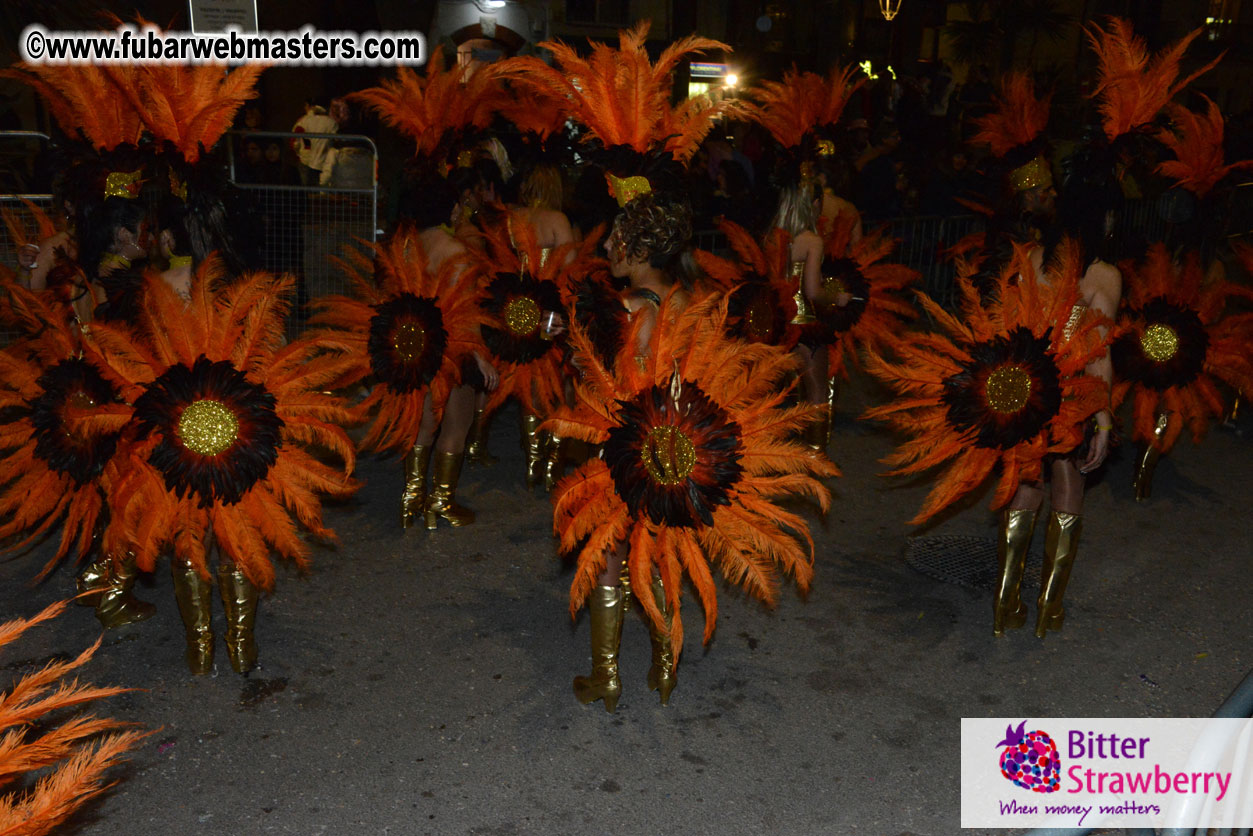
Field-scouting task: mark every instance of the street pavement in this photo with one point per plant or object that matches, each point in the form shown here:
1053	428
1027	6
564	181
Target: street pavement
416	683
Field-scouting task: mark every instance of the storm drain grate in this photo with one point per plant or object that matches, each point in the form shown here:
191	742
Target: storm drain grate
965	561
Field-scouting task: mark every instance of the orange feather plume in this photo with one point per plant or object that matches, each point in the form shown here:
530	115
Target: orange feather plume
1197	143
1019	118
685	514
86	100
1177	340
802	102
75	752
1132	85
428	107
622	97
1000	385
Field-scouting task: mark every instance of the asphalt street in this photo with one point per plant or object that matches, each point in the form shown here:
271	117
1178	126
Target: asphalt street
416	682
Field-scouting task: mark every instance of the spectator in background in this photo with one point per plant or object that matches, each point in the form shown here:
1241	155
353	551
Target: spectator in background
248	165
954	178
313	152
879	198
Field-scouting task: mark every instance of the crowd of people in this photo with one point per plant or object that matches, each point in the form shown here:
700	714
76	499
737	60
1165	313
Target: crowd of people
542	251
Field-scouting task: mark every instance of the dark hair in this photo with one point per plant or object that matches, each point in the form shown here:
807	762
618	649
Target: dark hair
200	226
656	227
426	200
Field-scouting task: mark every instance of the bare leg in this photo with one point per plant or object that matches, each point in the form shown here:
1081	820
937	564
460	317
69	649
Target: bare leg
458	413
1068	485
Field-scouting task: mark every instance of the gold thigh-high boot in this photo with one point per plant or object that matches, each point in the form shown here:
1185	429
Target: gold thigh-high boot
194	595
440	504
1143	483
476	441
1060	545
533	444
117	605
661	676
413	499
239	597
605	608
1013	541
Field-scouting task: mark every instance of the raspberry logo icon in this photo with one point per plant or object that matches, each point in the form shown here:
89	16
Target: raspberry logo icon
1030	759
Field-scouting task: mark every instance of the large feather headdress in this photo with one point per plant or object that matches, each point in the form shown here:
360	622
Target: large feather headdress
1133	86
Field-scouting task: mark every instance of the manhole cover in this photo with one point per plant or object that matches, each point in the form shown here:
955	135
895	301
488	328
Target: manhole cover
965	561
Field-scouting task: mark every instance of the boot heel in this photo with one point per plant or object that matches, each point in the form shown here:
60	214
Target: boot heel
440	504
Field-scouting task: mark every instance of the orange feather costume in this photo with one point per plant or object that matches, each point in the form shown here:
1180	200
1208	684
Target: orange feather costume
219	418
1197	143
759	302
1176	340
1004	384
877	310
519	283
696	454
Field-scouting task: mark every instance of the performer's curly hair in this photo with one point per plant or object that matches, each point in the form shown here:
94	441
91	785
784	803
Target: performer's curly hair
655	227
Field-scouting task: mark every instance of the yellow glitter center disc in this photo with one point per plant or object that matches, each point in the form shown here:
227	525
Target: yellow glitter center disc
522	316
669	456
1160	342
208	428
1008	389
410	340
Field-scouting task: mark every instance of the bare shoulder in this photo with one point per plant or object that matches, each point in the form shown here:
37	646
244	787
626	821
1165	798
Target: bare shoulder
1102	277
806	243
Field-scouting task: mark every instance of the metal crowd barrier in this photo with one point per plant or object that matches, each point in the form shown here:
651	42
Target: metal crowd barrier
296	227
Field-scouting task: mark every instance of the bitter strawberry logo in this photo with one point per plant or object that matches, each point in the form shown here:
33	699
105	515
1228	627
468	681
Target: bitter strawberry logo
1030	759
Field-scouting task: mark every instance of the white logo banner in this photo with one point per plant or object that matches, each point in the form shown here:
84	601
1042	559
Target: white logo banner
1106	772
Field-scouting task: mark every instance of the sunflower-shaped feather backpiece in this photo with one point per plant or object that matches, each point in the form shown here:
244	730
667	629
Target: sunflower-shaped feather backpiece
222	428
620	95
876	311
1176	340
521	284
759	289
1133	86
407	327
1002	385
53	467
697	450
1197	143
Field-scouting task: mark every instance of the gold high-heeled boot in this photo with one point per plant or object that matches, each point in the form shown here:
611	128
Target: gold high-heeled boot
194	595
661	676
1060	545
440	504
117	605
476	441
1013	541
1143	482
533	445
605	608
833	390
239	597
413	498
